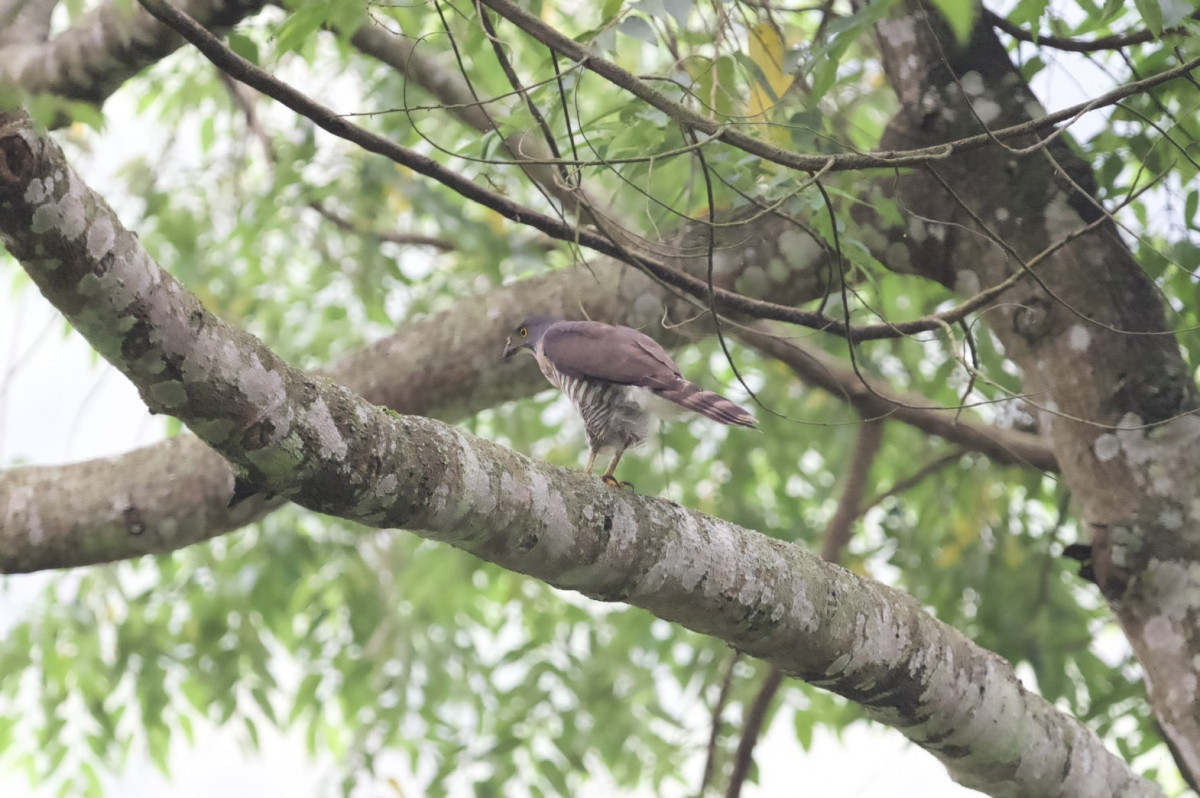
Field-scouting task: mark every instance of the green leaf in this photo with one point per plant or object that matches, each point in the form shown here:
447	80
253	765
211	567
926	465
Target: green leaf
1152	14
244	46
609	11
299	27
1174	12
1029	13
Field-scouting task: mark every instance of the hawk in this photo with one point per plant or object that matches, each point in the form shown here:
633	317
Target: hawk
616	377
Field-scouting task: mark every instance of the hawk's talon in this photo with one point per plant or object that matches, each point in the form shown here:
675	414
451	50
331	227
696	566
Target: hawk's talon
610	480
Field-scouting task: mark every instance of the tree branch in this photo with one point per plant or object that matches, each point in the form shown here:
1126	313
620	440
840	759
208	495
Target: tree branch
446	365
610	243
1115	42
111	44
837	535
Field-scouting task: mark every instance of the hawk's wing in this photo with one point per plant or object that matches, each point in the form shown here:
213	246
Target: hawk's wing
597	351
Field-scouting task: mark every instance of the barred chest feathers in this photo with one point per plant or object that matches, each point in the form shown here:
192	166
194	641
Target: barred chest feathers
615	416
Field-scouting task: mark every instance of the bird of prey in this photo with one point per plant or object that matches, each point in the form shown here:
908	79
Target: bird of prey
615	377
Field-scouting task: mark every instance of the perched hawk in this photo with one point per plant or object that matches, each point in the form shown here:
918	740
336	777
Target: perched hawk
614	375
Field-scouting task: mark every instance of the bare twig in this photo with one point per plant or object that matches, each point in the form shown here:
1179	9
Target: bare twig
752	726
837	531
608	244
710	761
411	239
1115	42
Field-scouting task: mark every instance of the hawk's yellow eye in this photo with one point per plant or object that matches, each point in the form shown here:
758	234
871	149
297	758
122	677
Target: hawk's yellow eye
523	332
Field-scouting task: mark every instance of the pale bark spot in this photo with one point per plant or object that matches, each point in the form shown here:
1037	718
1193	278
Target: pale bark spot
100	237
798	248
476	482
804	612
987	110
916	229
549	505
1035	109
1106	447
1060	216
966	282
898	31
753	282
323	424
1137	446
21	502
1078	338
1170	519
972	83
37	190
263	387
647	309
1161	635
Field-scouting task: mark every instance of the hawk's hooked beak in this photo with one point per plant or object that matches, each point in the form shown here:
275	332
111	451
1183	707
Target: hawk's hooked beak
509	349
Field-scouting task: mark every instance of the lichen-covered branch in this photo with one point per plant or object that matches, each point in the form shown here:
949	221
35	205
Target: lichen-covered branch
111	44
315	442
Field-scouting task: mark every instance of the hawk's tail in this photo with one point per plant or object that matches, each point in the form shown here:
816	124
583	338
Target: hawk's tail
708	404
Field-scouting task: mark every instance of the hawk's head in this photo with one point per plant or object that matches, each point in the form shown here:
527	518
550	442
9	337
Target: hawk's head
527	334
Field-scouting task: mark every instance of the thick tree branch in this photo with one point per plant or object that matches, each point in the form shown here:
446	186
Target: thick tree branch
90	60
446	365
25	22
323	446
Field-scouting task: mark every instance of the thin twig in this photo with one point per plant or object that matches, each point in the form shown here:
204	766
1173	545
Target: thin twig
408	239
714	734
1114	42
837	531
755	717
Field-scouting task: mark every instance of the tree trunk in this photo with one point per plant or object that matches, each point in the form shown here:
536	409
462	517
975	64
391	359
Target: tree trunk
1087	329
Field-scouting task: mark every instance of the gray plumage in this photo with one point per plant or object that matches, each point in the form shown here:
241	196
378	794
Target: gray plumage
613	375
